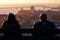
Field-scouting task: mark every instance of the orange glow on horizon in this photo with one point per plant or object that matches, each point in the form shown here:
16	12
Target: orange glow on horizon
14	3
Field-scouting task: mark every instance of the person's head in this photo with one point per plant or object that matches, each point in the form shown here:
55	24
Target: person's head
11	18
43	16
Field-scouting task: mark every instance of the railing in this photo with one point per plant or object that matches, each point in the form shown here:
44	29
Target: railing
28	32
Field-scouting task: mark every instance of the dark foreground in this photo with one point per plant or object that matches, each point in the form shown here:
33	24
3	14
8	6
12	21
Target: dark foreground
29	37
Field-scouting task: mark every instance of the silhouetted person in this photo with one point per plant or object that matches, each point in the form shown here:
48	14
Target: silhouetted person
44	27
11	26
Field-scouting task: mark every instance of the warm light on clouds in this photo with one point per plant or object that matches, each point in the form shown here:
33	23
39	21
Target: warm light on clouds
28	1
15	2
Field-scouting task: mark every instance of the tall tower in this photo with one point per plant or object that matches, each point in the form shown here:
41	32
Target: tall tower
21	9
32	9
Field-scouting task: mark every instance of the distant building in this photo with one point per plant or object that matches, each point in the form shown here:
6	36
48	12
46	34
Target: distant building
32	9
21	9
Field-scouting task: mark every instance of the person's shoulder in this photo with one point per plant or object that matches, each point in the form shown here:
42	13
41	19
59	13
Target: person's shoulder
5	22
37	22
50	22
17	24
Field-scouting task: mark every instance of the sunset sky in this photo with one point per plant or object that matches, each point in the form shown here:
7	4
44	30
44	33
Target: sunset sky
7	3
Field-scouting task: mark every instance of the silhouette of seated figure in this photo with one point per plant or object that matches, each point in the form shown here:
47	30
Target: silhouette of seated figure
44	27
11	26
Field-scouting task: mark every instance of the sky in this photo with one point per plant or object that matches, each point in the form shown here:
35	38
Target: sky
29	1
10	2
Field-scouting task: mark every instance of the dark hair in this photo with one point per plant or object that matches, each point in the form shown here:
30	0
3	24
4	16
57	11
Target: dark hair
11	19
43	16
